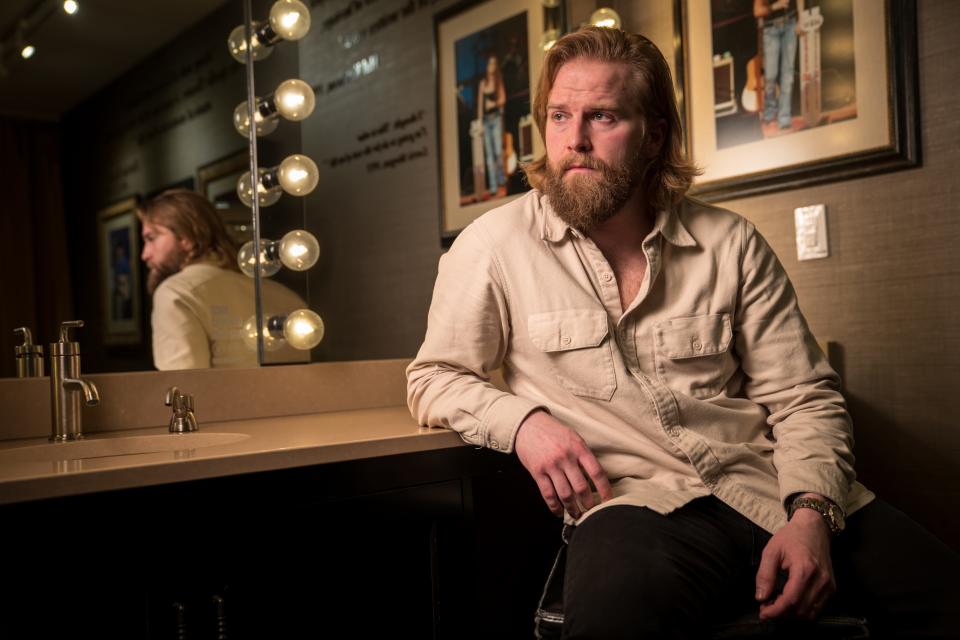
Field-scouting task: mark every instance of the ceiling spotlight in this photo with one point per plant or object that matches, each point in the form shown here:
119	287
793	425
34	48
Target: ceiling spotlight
71	6
27	51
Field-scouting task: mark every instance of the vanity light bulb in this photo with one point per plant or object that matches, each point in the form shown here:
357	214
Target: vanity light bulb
241	121
549	39
237	44
294	99
298	175
265	196
290	19
71	7
299	250
605	17
303	329
27	51
246	259
270	342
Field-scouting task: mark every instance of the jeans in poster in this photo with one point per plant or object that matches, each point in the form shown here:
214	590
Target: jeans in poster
779	58
493	149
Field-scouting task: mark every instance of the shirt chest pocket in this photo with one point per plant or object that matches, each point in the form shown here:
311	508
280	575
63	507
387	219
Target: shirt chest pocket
575	341
693	354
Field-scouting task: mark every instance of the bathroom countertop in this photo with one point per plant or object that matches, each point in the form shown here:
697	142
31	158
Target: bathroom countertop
273	444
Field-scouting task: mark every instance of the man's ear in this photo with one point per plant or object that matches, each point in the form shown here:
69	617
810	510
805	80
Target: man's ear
186	244
654	138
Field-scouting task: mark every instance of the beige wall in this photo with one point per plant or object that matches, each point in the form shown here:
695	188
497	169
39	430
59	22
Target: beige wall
889	294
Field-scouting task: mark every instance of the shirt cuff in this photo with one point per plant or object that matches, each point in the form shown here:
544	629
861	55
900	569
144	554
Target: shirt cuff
502	421
826	480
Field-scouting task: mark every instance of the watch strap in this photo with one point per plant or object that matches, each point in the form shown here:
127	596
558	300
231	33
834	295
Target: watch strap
831	513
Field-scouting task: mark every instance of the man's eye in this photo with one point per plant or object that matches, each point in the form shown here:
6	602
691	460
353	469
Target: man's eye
602	117
556	115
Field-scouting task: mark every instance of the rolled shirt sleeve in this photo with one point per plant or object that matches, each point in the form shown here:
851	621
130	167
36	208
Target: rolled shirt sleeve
468	329
789	375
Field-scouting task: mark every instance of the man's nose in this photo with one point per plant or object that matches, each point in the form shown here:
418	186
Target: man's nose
579	137
145	254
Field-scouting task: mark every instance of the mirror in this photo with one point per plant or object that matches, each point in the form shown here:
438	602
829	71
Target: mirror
119	102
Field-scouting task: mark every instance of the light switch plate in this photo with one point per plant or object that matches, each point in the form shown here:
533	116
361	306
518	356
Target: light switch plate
811	225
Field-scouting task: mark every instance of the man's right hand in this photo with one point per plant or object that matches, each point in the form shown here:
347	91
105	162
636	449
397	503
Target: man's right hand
557	458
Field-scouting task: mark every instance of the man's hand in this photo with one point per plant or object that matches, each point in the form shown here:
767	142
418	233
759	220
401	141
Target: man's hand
802	549
557	458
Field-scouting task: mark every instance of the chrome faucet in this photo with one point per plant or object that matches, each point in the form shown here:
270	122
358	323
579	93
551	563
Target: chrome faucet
66	386
183	419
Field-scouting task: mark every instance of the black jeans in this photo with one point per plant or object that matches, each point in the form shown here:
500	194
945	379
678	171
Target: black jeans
633	573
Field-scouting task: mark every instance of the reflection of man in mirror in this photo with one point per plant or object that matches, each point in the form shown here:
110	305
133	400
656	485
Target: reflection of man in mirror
200	297
663	388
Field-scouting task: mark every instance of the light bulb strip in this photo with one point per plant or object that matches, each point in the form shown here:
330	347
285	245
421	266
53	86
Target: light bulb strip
252	140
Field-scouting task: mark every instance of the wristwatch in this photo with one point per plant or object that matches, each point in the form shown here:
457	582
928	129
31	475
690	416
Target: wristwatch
830	512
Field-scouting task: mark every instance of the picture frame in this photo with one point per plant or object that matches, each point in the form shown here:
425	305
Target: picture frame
118	233
217	182
855	101
477	174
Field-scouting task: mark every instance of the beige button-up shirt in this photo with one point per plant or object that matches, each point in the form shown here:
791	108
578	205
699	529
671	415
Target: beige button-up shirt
198	316
709	383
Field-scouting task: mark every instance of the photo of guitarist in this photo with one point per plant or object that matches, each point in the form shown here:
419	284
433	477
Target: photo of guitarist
780	27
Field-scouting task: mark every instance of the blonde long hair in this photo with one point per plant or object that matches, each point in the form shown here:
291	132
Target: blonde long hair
191	216
669	177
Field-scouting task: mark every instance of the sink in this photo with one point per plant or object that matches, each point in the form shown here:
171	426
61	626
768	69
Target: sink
104	447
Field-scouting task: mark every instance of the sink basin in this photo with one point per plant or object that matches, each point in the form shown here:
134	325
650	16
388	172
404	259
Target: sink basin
99	447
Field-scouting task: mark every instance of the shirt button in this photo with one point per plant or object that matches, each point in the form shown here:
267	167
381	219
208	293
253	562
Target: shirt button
606	277
494	444
566	340
697	346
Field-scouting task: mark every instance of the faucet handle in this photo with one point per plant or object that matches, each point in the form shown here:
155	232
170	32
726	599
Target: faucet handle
65	327
29	356
182	418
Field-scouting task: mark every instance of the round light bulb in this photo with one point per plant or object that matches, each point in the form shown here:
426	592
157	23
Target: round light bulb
246	259
298	175
303	329
71	7
27	51
237	44
605	17
290	19
299	250
549	39
294	99
265	196
270	342
241	121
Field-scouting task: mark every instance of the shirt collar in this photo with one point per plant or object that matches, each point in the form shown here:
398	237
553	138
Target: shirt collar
668	224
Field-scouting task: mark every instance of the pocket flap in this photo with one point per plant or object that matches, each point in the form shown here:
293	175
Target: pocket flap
694	337
566	330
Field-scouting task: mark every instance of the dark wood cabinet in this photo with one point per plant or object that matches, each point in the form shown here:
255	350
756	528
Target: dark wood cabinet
453	543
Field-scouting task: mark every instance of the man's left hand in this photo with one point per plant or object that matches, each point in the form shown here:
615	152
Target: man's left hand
802	549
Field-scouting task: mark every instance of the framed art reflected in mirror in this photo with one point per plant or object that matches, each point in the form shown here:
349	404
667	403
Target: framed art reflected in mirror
118	236
217	181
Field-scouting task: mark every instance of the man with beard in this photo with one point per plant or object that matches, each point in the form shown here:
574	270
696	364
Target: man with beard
200	298
665	392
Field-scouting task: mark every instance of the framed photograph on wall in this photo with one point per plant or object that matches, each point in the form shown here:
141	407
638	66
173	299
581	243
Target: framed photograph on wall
488	58
217	181
119	251
779	94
